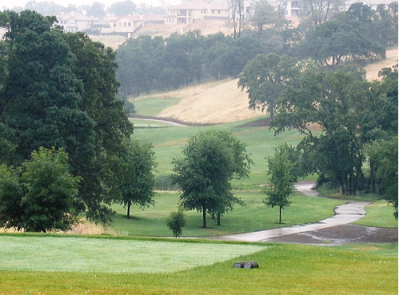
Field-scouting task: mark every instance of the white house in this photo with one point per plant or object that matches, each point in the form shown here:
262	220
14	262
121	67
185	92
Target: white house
73	22
194	11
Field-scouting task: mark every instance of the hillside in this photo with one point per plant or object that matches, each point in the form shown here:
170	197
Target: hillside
212	102
223	102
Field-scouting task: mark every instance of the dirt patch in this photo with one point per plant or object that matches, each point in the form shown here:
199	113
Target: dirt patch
342	234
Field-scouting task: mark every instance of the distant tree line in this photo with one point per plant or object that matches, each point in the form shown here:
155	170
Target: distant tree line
354	36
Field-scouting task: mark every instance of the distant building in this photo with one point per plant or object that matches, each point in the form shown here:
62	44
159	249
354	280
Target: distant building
129	24
74	22
194	11
293	7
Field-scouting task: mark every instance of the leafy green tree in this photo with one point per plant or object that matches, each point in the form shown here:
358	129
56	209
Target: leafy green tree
139	64
335	101
8	146
383	155
176	221
10	197
100	170
49	191
265	78
43	197
264	14
137	176
66	98
284	172
211	160
336	41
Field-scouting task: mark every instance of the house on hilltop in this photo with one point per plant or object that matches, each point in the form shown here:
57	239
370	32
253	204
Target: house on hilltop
74	22
129	24
194	11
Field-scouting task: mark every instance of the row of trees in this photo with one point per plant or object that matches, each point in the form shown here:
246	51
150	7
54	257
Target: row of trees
357	119
355	149
59	92
357	35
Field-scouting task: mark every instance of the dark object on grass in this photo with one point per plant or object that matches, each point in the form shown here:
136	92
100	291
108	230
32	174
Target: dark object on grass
251	264
239	264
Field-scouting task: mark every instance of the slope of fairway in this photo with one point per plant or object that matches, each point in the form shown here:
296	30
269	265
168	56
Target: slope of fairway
40	253
283	269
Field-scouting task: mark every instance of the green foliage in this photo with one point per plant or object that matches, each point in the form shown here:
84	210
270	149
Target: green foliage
336	41
176	221
137	184
265	78
65	98
283	171
254	216
211	160
10	197
383	156
100	169
43	196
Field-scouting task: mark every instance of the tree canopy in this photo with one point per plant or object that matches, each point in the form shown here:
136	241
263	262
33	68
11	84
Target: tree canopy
42	195
59	91
284	172
211	159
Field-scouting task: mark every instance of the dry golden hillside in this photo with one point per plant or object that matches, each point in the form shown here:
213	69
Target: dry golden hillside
212	102
222	101
373	68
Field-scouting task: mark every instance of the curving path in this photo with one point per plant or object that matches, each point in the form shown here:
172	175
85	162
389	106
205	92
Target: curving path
333	230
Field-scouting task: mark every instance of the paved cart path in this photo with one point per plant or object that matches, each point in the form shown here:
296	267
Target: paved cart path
334	230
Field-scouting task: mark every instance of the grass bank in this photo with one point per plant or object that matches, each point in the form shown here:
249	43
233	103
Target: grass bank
284	269
254	216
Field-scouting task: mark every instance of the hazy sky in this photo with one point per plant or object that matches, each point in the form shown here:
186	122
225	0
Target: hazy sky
12	3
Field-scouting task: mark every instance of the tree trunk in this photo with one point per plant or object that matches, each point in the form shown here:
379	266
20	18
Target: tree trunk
128	209
218	221
203	216
280	215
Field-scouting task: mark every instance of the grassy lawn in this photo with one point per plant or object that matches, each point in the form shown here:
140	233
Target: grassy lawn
253	216
379	214
152	106
80	254
260	141
129	266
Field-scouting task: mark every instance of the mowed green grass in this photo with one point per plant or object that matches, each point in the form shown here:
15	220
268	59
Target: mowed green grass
260	142
254	216
379	214
284	269
153	106
81	254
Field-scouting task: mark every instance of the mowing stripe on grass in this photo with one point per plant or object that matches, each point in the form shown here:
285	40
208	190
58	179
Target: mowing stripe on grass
112	255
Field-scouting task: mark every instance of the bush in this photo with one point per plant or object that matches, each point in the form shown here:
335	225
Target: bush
176	222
